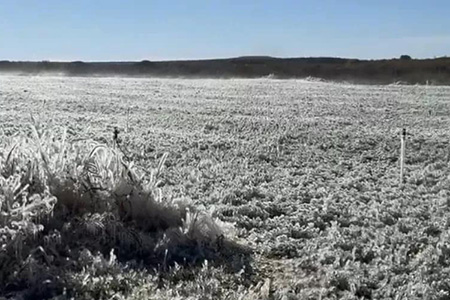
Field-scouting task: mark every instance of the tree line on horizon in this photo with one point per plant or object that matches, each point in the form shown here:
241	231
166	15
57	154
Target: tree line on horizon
404	69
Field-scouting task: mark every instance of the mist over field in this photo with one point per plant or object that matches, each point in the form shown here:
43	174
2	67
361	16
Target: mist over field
404	69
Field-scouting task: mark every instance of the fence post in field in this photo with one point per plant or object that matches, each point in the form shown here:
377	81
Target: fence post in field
402	155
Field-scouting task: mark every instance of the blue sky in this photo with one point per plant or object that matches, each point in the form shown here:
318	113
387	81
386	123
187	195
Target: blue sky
100	30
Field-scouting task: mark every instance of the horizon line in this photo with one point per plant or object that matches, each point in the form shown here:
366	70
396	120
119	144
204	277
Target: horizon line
217	58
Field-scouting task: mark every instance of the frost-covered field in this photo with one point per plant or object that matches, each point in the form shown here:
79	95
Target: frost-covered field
306	171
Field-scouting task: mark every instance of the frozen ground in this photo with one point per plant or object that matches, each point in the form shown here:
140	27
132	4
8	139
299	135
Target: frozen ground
307	171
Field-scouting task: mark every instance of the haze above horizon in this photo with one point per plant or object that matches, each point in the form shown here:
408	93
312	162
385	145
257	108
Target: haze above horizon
115	30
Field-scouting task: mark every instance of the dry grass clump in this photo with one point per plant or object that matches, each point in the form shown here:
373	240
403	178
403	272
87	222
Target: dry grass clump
66	206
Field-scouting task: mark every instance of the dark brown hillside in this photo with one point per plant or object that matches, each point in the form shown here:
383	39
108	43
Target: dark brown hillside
405	69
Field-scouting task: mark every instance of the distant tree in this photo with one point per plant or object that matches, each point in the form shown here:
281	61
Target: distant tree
45	65
405	57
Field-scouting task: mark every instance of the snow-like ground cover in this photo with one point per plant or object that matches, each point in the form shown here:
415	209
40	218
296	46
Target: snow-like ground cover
306	171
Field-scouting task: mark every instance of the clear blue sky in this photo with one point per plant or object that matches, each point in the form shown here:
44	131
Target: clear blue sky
102	30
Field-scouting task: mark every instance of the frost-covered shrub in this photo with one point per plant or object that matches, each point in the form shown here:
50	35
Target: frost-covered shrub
61	201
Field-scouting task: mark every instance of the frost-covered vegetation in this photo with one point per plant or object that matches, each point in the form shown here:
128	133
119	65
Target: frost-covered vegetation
222	189
65	205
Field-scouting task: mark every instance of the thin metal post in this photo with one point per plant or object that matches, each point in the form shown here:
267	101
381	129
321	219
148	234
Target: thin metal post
402	155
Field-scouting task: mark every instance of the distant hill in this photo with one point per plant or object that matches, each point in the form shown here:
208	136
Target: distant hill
404	69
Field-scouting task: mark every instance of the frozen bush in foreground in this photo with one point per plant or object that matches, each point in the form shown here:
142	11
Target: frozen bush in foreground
61	201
